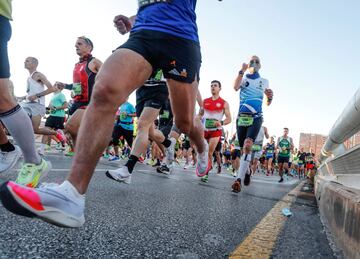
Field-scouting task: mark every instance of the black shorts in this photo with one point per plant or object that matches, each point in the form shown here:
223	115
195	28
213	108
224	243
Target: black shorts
227	154
118	132
165	129
179	59
248	132
5	35
235	153
186	145
155	103
77	105
282	159
55	122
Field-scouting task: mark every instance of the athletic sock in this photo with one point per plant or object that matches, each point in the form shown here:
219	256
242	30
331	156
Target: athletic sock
244	166
166	143
20	127
130	164
7	147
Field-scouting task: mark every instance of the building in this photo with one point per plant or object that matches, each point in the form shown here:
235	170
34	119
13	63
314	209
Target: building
312	141
353	141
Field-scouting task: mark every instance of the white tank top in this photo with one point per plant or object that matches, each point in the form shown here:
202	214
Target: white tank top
34	87
260	137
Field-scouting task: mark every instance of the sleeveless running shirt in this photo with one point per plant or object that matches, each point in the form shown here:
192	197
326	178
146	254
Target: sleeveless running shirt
213	110
34	87
251	95
284	144
83	81
175	17
5	9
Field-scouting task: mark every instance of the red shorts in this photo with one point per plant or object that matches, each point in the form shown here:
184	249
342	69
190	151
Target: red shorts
208	134
309	166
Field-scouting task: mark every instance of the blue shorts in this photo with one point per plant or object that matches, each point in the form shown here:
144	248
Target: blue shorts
5	35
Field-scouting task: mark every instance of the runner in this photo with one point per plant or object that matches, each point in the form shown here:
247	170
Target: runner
310	163
235	155
34	101
81	89
257	148
165	35
187	150
150	98
285	145
56	120
123	128
15	119
270	156
214	109
301	163
252	88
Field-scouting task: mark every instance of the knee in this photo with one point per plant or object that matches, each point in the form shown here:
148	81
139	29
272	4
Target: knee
104	96
184	124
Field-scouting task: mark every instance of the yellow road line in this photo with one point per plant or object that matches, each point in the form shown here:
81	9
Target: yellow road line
261	240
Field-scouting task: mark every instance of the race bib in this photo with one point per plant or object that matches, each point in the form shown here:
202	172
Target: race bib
256	148
76	90
123	116
270	152
143	3
165	115
245	120
210	123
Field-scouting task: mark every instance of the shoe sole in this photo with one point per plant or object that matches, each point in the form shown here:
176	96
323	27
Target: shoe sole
208	169
18	155
126	181
16	205
162	172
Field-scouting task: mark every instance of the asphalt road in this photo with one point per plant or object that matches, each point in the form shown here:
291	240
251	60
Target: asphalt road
160	216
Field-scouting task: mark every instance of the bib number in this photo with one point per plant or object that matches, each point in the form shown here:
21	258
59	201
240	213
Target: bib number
143	3
256	148
210	123
76	89
245	120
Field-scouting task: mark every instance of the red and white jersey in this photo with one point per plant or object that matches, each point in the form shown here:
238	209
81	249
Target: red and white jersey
213	111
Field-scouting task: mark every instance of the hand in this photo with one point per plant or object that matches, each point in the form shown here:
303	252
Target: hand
32	98
269	93
122	24
218	124
244	67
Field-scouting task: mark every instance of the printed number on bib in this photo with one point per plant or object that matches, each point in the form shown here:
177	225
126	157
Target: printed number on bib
245	120
256	148
210	123
143	3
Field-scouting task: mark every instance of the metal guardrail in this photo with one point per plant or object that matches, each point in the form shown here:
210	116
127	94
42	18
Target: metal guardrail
347	125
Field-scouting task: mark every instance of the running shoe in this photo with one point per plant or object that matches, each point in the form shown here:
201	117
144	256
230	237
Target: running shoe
163	169
106	156
170	151
60	205
9	159
247	179
219	170
281	180
236	186
31	174
114	158
186	166
205	179
121	174
70	153
203	165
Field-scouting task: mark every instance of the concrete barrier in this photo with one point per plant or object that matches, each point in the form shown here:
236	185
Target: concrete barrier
339	208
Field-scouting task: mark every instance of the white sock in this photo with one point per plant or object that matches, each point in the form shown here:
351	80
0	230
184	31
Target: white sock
244	166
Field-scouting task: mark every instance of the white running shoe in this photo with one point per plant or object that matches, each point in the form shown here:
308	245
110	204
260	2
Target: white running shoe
170	151
60	205
121	174
203	165
9	159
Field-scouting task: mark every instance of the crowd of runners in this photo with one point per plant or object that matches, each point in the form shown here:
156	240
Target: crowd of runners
162	56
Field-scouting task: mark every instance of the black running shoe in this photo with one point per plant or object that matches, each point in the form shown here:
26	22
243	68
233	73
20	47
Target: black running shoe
281	180
247	179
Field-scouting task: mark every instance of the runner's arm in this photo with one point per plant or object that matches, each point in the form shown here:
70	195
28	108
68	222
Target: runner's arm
50	88
237	83
227	116
124	24
266	132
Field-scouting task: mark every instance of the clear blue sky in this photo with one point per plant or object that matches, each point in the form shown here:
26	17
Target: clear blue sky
309	49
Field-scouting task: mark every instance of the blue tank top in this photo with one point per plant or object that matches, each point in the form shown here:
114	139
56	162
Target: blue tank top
177	18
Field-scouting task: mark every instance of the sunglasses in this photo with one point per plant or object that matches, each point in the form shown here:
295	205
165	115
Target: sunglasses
254	61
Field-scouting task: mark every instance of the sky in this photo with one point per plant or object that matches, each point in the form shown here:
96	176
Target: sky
309	50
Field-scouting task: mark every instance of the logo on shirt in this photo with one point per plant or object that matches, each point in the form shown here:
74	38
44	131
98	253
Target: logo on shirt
218	105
